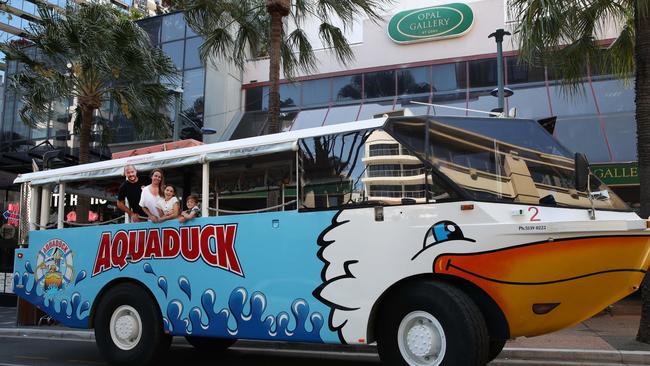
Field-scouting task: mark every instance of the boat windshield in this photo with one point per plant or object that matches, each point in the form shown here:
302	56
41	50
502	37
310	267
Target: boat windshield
510	160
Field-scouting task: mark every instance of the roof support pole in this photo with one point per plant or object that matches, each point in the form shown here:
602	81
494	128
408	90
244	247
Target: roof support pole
205	190
61	213
33	206
46	194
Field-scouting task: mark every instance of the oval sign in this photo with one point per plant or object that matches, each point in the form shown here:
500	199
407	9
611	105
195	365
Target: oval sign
432	23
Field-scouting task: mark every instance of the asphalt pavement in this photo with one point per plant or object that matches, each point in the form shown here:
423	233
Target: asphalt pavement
606	339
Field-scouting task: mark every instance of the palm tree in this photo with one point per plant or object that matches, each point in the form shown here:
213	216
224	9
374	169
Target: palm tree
562	35
92	53
237	30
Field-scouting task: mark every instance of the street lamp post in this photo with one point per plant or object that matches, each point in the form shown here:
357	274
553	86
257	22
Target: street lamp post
498	37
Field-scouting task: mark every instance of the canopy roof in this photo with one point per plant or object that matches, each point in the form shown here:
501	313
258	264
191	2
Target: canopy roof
253	146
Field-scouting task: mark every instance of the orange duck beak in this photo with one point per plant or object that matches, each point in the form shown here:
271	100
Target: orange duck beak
543	287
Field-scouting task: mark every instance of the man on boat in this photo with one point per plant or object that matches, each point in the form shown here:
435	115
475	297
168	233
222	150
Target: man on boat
131	189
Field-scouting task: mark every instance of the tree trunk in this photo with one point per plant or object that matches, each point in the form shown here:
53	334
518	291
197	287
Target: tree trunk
277	10
642	60
83	202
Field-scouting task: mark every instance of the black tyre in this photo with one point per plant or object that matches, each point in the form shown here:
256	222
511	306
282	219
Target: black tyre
431	324
208	344
129	327
496	346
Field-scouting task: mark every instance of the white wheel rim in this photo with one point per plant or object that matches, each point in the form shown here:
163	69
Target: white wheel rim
421	339
126	327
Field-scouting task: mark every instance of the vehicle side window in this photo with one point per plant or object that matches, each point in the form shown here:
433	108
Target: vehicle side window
256	184
363	167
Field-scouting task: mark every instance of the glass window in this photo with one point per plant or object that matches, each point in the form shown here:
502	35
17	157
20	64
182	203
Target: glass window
383	149
483	73
152	27
189	32
20	130
582	134
451	100
290	95
265	183
614	96
193	81
192	56
346	88
414	81
621	135
369	110
309	118
173	27
8	113
254	99
481	101
565	105
521	101
347	113
384	170
331	170
11	67
252	124
175	51
519	72
499	159
379	84
449	77
316	92
193	104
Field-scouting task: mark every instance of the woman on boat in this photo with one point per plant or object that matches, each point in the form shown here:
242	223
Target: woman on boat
151	196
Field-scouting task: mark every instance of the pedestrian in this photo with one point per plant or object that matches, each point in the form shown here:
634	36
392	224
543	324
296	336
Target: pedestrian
131	190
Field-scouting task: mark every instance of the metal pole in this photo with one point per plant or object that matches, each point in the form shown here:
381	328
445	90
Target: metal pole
33	209
177	115
498	37
45	206
61	215
205	189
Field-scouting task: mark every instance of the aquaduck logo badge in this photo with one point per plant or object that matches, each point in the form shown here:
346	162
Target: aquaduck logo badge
54	266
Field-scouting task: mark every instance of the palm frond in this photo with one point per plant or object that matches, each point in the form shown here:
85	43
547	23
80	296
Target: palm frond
562	35
334	38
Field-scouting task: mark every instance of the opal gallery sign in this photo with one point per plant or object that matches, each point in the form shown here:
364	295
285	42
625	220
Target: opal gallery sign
431	23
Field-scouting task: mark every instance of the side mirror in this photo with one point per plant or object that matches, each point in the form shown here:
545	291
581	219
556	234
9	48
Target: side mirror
582	172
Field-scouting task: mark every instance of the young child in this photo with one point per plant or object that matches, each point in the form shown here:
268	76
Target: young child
193	209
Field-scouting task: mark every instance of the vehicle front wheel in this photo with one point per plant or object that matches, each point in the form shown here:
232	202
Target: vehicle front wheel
431	324
129	327
496	346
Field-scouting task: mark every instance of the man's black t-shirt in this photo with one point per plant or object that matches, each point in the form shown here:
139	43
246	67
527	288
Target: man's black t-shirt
132	192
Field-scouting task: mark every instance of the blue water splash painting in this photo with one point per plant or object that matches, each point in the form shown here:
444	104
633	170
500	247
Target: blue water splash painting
248	325
148	269
28	267
185	286
80	277
162	283
73	312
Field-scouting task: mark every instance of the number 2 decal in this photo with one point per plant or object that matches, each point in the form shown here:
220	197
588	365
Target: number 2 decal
534	217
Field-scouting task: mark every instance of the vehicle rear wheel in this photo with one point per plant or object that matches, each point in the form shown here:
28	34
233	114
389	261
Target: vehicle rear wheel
432	324
208	344
129	327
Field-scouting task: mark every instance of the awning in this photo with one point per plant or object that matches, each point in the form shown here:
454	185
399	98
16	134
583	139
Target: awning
147	162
